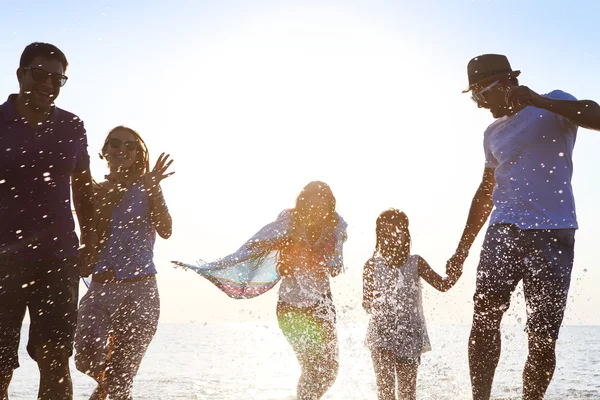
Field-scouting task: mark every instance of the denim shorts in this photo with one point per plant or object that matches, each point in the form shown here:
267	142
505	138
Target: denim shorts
49	289
542	259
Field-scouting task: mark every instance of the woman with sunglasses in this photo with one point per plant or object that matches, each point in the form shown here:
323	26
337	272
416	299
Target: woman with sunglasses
119	314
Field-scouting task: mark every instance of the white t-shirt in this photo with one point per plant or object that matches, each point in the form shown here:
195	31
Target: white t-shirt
532	153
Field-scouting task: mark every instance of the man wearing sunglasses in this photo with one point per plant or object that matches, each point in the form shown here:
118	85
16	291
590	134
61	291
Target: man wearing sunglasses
43	151
531	234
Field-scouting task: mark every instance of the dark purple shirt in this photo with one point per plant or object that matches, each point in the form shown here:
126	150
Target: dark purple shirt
36	164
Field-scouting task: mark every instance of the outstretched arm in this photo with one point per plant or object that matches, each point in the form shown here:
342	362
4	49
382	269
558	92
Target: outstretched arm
481	207
584	113
433	278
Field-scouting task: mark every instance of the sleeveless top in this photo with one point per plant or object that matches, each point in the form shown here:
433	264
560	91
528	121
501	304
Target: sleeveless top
129	248
397	320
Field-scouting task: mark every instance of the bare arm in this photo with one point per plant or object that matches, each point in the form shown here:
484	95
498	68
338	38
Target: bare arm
161	218
433	278
368	285
584	113
481	207
159	212
83	201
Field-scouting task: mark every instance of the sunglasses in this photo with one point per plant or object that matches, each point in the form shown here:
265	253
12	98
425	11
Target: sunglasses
117	143
40	75
479	97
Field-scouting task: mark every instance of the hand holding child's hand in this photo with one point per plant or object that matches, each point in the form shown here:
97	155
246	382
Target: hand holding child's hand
454	271
454	266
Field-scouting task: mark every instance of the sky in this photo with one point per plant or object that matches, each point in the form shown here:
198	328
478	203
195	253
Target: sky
254	99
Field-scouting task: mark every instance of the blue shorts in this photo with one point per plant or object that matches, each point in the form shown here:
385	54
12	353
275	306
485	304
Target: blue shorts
543	259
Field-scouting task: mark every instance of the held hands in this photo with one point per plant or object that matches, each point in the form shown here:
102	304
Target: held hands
159	172
522	96
454	266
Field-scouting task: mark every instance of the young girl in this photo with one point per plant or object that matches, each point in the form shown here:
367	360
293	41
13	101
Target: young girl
397	334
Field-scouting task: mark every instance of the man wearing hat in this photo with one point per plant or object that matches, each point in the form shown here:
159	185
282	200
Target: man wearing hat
531	234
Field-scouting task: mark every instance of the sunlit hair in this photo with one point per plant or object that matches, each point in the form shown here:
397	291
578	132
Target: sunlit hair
321	192
141	165
390	224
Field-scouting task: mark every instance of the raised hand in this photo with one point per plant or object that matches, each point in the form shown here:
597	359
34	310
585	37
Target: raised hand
522	95
153	178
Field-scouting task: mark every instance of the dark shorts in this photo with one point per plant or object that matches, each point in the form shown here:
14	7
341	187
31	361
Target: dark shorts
49	289
542	259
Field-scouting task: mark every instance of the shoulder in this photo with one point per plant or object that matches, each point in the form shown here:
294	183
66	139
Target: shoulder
341	222
371	261
69	120
560	95
495	126
286	214
416	259
4	106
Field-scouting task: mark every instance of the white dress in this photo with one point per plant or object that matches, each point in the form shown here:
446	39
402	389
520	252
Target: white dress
397	320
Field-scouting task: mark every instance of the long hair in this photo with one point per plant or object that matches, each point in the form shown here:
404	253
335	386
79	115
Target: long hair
396	254
305	217
106	199
141	165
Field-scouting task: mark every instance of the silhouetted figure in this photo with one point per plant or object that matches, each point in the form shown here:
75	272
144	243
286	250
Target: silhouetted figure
397	332
43	150
118	316
303	249
531	234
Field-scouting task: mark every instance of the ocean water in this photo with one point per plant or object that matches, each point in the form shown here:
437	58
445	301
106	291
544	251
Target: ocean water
250	361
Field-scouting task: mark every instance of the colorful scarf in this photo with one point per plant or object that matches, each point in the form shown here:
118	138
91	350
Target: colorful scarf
252	269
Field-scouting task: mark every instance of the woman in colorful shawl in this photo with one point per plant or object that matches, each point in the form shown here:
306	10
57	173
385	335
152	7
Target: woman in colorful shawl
118	315
303	248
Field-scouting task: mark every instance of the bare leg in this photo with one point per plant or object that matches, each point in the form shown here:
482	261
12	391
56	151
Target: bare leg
99	394
485	345
319	364
55	377
5	379
383	364
134	327
407	380
539	367
316	380
314	340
